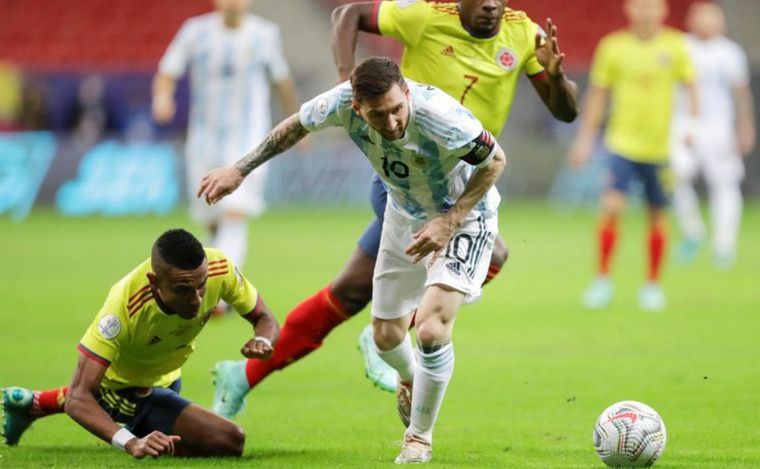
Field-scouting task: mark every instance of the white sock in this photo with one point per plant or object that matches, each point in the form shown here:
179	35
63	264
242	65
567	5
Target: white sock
400	358
430	381
726	213
686	204
232	238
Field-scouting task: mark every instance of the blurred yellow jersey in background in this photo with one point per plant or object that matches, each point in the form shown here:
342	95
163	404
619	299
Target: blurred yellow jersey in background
480	73
642	77
141	345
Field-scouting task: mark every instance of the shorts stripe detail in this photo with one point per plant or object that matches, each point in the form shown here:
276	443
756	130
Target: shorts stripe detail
92	355
480	243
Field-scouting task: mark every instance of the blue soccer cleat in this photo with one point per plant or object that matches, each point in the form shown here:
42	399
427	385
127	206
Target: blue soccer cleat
15	416
380	373
230	388
599	294
651	298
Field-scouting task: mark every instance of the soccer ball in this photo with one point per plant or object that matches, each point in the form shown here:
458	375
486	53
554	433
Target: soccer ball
629	434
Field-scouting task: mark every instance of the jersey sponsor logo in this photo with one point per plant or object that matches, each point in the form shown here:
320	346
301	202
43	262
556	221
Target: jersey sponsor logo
320	111
405	3
109	326
448	51
506	58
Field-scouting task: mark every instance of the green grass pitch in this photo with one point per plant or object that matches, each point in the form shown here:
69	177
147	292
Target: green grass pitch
533	370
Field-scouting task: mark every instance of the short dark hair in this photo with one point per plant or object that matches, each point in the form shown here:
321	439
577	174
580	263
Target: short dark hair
374	77
180	249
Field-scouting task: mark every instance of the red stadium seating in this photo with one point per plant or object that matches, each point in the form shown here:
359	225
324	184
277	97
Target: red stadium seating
81	34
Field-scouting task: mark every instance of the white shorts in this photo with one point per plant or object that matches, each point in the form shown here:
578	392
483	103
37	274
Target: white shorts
398	284
714	154
248	199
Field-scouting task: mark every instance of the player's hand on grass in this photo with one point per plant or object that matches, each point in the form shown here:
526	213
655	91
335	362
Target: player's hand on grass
547	51
219	183
257	349
433	237
154	445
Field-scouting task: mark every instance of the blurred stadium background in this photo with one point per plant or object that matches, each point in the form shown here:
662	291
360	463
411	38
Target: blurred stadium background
75	105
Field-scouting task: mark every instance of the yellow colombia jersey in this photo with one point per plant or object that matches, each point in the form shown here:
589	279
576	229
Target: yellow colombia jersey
145	347
481	73
642	78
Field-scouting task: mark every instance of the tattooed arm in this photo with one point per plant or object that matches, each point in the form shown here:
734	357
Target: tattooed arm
222	181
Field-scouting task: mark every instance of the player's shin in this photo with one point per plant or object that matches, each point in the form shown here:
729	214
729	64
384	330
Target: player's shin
431	377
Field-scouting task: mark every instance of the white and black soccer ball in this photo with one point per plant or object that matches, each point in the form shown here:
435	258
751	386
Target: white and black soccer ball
629	434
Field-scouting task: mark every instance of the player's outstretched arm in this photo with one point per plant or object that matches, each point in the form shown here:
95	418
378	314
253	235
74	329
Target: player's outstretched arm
265	331
745	118
82	407
347	21
222	181
435	235
558	93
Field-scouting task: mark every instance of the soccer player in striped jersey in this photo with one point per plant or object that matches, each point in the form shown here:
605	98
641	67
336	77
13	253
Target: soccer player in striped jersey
129	369
638	69
233	59
726	132
474	50
439	166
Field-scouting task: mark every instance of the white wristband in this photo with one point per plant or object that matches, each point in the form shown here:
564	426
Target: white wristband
119	439
264	341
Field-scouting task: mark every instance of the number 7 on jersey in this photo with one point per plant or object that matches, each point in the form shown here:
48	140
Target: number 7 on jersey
472	79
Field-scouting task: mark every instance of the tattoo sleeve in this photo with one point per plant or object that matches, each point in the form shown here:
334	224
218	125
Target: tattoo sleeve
286	134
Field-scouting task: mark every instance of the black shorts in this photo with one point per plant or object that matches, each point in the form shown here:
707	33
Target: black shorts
144	410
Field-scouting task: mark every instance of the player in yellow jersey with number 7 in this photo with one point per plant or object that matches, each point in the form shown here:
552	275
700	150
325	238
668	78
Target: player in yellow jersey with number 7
475	51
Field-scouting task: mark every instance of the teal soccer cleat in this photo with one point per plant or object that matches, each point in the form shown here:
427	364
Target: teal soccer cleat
598	295
651	298
376	370
15	416
688	250
230	388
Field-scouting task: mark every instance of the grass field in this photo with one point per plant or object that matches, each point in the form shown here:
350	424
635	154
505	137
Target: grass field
533	370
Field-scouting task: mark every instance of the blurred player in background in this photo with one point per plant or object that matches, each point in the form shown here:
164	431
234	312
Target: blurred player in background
131	355
636	69
726	132
439	166
475	51
232	57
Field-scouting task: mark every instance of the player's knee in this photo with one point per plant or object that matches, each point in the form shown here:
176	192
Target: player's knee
231	440
500	253
386	334
431	332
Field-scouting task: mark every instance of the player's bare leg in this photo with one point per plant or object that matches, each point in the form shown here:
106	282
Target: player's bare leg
599	294
431	375
204	433
651	296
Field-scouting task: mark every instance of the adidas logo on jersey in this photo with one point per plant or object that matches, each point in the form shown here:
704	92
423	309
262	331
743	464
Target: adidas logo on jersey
448	51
